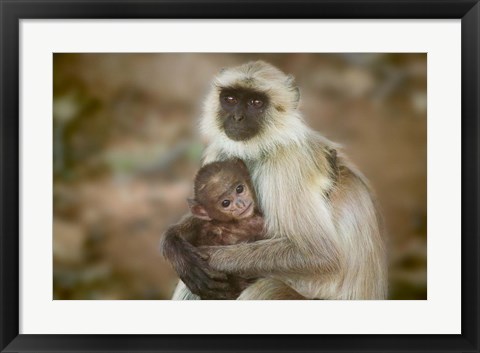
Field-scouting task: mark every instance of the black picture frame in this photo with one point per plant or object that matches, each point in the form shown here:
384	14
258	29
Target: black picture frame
12	11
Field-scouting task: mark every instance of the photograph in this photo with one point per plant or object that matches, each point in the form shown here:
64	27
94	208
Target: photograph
239	176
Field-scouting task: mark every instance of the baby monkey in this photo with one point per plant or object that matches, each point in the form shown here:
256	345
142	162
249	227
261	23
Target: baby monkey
225	205
223	212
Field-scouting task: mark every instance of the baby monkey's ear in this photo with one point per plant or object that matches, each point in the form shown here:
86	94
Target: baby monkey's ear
198	210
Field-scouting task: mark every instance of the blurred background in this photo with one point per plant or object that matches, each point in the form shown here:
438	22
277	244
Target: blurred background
126	148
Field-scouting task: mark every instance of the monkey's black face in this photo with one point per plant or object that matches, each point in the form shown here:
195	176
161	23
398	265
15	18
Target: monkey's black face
242	113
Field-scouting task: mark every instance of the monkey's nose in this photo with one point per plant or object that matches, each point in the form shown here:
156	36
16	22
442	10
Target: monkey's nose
240	203
238	117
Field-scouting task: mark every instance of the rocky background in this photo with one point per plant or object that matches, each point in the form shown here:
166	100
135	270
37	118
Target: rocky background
126	148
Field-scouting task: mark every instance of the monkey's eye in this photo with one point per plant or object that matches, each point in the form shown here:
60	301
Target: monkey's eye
225	203
239	189
256	103
230	100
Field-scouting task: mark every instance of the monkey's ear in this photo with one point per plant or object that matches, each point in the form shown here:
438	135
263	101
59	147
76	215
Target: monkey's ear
333	153
290	81
198	210
297	93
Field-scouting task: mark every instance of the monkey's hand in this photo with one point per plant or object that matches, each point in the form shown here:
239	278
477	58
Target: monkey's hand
193	269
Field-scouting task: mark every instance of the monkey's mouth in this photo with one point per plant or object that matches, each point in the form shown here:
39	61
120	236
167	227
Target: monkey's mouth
239	131
238	134
246	210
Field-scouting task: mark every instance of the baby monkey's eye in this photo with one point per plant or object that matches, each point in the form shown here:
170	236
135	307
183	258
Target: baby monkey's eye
230	100
239	189
225	203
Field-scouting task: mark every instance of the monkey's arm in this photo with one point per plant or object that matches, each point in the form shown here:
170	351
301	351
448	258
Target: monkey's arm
194	271
270	257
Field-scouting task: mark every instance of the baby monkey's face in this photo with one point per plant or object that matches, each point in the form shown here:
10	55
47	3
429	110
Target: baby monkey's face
237	201
223	192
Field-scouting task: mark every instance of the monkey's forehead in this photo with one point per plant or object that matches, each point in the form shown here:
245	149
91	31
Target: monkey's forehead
239	89
258	75
234	82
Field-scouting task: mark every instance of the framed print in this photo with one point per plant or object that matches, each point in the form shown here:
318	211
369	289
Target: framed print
317	161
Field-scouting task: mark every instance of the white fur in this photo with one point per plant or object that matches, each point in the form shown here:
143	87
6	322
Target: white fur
183	293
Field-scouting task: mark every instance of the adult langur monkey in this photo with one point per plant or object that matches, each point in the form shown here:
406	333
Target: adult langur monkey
324	238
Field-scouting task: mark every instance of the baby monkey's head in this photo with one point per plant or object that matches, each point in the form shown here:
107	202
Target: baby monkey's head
223	192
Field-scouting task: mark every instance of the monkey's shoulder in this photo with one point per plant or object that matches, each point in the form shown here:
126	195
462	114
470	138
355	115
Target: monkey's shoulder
210	233
213	229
